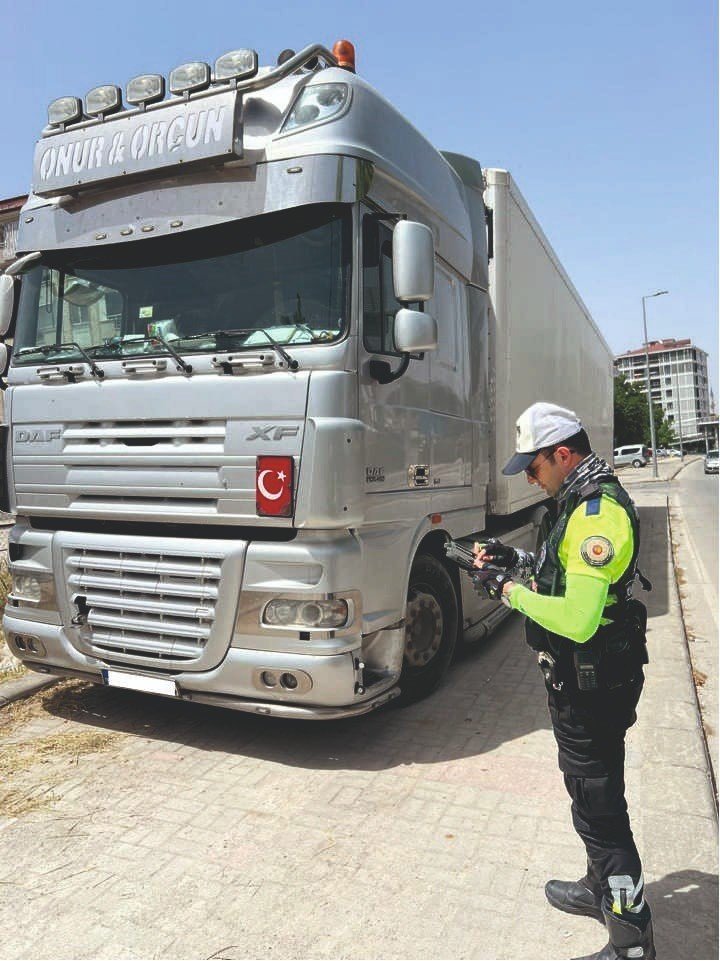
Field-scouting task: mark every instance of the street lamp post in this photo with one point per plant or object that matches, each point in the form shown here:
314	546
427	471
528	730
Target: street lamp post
658	293
679	410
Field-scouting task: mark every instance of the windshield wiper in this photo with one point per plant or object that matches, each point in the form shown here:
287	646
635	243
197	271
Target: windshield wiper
46	349
181	364
118	346
243	332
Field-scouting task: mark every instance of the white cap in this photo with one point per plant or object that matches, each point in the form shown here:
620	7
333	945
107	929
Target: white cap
540	426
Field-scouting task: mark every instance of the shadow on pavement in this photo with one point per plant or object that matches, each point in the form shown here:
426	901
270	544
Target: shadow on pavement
654	548
493	694
685	914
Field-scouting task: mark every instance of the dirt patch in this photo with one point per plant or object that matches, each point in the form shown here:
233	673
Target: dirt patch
33	765
699	677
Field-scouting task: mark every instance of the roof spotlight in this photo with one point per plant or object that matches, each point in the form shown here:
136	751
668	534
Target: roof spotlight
147	88
64	110
189	77
236	65
103	100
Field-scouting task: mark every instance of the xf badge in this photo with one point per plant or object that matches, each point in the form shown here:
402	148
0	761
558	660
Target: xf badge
272	432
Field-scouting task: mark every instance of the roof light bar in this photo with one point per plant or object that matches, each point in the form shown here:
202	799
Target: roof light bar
103	100
147	88
236	65
189	77
64	110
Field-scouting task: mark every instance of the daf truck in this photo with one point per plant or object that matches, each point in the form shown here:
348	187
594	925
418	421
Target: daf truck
264	348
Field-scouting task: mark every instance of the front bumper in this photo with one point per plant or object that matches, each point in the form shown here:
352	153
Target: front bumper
232	684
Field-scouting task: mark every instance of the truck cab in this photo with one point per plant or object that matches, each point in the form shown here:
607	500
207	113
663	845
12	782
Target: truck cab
250	394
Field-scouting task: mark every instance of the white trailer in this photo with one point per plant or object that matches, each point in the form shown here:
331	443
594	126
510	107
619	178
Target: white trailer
265	364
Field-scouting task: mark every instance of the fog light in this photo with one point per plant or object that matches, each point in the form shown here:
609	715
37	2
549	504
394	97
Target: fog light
269	678
288	681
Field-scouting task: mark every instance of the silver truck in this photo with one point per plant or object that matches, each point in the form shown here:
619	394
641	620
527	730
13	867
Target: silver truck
268	348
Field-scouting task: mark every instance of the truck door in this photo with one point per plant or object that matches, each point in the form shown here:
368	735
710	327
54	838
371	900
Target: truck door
396	414
451	443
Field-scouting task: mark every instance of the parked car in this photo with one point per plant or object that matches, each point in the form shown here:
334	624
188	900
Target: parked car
711	462
662	452
636	454
674	452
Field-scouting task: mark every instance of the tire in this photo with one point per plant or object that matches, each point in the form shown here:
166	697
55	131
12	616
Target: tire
431	625
637	463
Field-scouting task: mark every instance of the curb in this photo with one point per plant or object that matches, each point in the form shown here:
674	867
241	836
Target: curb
688	659
682	466
12	691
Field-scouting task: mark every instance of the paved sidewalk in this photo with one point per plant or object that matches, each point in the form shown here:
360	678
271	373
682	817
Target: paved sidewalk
140	827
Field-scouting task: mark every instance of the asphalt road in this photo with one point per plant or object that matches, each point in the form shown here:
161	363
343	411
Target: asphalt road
694	519
699	494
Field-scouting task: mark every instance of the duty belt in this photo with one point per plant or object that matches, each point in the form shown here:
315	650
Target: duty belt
548	666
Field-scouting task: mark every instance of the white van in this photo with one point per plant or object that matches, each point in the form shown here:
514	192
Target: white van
636	454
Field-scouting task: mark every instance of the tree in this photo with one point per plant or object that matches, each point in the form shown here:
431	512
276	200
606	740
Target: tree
631	416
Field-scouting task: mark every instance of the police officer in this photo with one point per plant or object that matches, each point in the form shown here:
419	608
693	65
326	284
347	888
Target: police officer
590	637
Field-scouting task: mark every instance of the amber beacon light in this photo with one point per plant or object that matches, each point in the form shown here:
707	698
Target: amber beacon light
344	53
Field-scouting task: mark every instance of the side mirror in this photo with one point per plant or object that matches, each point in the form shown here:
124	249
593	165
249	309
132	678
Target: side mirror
7	302
413	261
414	331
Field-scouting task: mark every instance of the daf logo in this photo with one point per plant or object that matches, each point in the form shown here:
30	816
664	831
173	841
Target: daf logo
37	436
264	433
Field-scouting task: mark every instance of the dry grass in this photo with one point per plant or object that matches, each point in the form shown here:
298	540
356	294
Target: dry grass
32	766
10	667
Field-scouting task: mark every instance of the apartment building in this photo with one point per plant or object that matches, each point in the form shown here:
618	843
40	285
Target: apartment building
678	382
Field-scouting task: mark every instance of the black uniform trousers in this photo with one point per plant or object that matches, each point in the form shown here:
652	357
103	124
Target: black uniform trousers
590	728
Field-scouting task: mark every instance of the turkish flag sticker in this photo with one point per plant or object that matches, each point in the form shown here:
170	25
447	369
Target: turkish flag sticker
274	486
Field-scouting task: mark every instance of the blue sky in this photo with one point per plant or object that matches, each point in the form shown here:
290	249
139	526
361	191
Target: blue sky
605	113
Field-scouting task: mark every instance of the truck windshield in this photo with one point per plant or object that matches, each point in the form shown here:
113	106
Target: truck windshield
282	277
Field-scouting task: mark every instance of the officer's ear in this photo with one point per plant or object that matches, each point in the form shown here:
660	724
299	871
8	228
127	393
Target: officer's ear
563	454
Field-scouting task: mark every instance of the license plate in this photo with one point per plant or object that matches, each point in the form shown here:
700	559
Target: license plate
140	682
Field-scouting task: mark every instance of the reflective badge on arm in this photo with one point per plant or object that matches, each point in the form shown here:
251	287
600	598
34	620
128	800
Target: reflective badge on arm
597	551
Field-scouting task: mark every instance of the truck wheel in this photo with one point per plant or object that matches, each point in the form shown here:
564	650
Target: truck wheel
431	623
637	463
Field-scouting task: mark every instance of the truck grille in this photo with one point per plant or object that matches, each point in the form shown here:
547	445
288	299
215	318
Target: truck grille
147	433
144	605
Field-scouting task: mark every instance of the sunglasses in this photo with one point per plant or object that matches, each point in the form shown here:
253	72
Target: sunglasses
532	469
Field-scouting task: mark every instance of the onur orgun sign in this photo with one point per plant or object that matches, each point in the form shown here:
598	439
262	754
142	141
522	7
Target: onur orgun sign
174	133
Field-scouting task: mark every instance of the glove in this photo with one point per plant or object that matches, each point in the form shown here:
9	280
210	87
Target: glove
499	554
491	582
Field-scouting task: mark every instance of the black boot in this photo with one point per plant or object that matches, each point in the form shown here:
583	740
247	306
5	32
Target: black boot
575	897
631	935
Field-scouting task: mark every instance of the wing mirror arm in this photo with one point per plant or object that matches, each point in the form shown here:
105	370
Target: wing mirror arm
383	373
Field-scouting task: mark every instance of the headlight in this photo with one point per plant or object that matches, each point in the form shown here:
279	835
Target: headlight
317	103
32	590
304	615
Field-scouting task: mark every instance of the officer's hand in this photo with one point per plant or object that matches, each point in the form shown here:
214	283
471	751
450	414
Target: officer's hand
496	553
490	582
